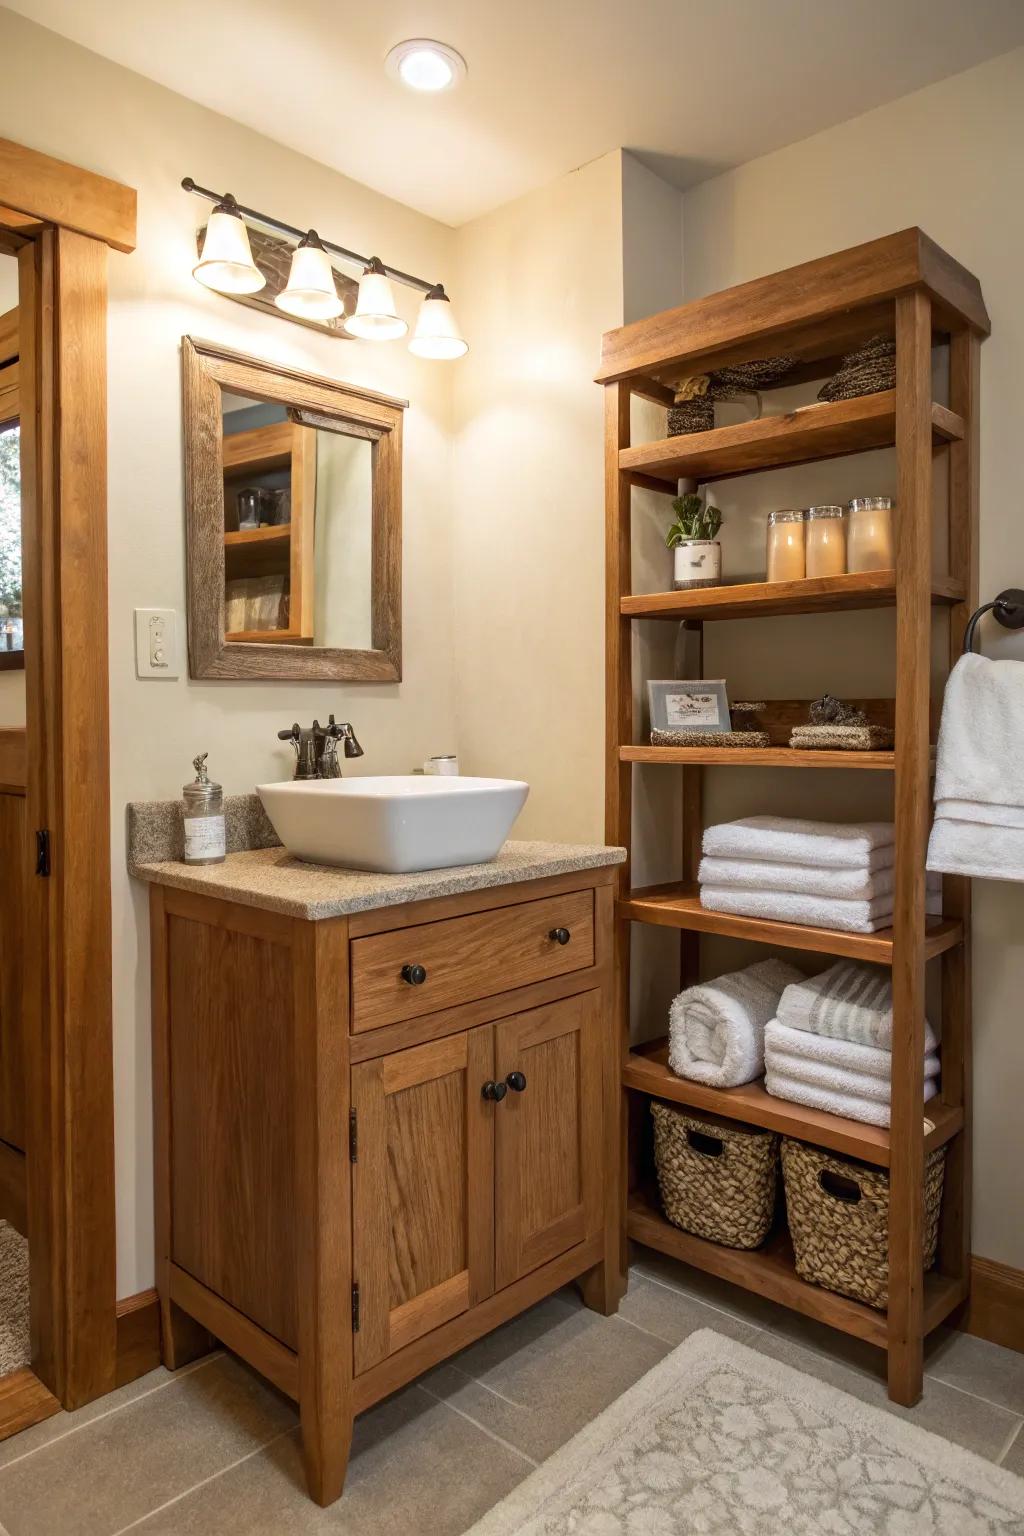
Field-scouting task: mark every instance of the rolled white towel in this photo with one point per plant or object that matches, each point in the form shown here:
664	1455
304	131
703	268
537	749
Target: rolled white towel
822	844
847	1002
716	1029
812	911
811	1096
840	1065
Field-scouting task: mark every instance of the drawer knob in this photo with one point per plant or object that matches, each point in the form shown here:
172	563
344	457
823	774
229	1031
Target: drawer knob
495	1091
516	1081
415	975
560	935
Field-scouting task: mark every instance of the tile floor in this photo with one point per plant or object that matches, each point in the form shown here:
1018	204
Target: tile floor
214	1450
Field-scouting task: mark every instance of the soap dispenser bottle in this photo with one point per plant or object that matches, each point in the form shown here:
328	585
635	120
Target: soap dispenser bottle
203	817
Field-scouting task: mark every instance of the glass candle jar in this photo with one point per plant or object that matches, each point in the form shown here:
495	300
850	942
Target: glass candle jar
203	817
786	545
826	541
869	539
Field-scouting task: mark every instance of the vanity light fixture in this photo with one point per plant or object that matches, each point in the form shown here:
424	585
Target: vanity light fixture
436	334
226	265
425	65
311	293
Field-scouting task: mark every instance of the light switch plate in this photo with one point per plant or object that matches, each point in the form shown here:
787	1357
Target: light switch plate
156	643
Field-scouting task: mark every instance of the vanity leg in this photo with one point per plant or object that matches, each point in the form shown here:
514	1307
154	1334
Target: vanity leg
323	1202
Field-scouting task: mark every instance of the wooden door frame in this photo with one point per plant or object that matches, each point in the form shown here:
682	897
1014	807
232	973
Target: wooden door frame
60	220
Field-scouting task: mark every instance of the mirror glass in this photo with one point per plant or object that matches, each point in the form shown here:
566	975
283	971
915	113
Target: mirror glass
298	504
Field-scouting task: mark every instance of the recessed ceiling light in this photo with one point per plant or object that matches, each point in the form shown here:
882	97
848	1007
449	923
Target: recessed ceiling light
425	65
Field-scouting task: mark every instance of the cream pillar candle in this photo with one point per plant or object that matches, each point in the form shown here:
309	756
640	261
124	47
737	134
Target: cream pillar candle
869	539
786	545
826	541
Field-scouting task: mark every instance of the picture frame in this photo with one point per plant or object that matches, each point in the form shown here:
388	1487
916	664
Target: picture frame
695	705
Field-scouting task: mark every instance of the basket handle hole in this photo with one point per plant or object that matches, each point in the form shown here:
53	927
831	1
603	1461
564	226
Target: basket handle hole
839	1187
707	1146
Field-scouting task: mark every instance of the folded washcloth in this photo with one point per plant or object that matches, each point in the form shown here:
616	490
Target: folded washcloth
848	1002
830	844
980	763
868	1111
716	1029
802	879
812	911
840	1065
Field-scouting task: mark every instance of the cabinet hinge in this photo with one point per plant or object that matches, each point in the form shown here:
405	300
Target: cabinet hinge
355	1308
353	1137
43	851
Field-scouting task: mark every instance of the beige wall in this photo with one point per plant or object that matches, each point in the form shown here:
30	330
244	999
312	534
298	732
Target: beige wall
70	103
948	158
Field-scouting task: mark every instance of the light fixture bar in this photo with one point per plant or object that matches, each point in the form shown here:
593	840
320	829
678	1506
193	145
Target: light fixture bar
300	234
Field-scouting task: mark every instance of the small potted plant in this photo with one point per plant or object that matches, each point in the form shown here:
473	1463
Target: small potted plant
698	554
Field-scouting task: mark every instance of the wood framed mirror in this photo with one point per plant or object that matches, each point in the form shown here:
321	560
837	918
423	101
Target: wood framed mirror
293	488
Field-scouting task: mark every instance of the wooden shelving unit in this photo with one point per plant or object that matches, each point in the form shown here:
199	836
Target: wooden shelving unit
904	286
284	550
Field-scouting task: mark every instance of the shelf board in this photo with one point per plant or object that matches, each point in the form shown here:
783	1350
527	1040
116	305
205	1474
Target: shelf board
771	1271
267	637
765	599
759	757
249	538
647	1071
676	906
825	430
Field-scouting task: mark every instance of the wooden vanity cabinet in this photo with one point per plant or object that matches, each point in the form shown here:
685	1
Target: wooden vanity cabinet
361	1168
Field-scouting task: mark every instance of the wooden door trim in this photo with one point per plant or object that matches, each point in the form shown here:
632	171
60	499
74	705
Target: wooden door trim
53	192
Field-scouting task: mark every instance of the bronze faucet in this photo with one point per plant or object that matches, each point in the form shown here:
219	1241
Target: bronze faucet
316	748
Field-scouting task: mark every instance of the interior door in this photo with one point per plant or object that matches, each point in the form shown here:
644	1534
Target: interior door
547	1134
423	1190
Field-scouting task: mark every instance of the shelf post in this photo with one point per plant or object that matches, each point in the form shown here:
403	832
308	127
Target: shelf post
913	665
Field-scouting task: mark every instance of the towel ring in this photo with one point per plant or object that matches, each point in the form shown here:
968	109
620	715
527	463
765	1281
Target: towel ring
1007	610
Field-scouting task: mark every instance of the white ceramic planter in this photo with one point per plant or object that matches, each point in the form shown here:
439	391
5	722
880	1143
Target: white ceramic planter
698	563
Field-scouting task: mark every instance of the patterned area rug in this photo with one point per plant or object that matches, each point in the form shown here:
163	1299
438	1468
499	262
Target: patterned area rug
14	1339
723	1441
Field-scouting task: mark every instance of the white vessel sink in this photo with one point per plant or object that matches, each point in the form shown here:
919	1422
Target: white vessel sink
394	824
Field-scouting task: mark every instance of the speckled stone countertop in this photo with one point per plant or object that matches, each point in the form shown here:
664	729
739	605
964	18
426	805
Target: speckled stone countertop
272	879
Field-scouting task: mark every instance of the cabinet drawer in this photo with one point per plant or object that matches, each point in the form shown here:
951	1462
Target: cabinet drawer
465	958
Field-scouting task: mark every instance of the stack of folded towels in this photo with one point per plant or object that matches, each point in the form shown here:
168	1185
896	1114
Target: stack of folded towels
830	1044
818	873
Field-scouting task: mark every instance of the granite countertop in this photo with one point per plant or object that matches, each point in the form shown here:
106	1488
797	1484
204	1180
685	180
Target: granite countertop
272	879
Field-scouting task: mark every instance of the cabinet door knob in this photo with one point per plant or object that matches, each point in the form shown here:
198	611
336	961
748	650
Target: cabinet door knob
560	935
415	975
495	1091
516	1081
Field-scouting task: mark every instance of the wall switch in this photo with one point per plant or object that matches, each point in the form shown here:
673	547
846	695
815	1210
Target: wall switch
156	642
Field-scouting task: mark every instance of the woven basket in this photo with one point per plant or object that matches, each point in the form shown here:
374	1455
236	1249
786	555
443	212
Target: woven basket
838	1214
696	415
867	371
717	1179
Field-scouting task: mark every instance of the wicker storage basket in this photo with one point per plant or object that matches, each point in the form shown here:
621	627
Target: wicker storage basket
717	1179
838	1214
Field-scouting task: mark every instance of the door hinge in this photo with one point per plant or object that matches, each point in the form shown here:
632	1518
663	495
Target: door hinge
355	1308
353	1137
43	851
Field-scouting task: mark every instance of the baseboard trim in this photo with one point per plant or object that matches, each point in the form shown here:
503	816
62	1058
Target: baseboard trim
995	1307
138	1336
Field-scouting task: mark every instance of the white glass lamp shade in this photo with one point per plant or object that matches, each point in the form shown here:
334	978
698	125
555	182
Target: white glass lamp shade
311	293
226	263
376	316
437	335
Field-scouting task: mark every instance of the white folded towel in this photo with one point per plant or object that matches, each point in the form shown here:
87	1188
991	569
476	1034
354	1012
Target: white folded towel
716	1029
839	1065
847	1002
980	763
868	1111
828	844
802	880
812	911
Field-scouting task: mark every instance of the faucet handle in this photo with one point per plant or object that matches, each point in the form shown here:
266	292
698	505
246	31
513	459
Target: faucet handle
293	733
344	732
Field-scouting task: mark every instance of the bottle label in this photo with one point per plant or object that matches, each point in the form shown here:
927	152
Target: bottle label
204	838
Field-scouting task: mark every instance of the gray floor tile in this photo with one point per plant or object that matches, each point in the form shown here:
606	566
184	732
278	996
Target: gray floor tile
1013	1461
415	1466
981	1427
547	1374
750	1308
672	1315
120	1466
977	1366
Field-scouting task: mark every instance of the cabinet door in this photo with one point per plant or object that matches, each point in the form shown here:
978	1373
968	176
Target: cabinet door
423	1190
547	1134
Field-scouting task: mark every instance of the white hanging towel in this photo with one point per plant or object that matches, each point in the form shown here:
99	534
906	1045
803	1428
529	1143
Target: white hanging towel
979	779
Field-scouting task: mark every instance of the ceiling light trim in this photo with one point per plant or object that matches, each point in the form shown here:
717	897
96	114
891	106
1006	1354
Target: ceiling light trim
401	64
